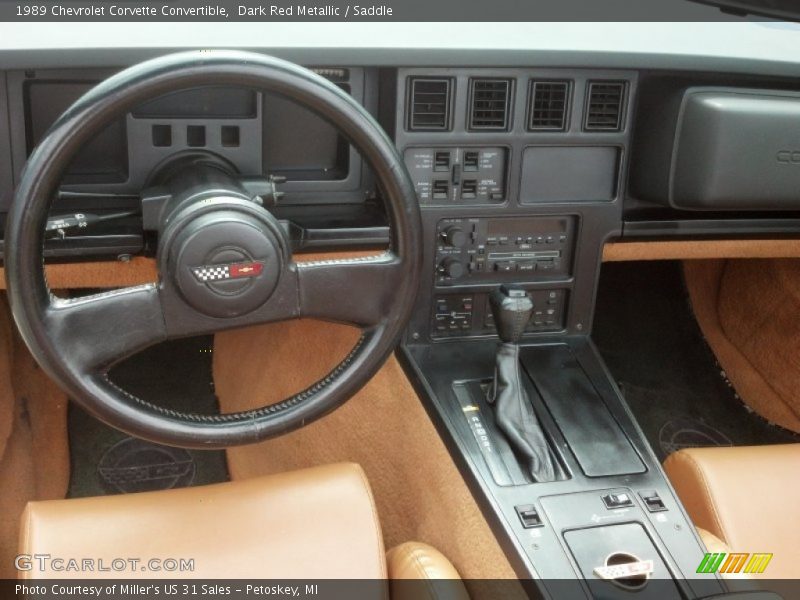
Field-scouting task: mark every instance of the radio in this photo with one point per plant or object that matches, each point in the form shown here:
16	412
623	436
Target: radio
502	249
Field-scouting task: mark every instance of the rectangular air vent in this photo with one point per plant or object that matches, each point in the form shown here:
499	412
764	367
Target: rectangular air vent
429	104
490	101
604	105
549	101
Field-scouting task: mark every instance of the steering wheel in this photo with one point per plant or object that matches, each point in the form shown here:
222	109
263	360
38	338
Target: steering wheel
223	260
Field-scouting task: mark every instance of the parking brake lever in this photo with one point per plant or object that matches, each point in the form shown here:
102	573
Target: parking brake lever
512	308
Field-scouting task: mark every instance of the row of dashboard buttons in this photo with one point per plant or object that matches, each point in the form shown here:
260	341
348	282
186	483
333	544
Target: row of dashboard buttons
522	241
456	314
543	316
509	266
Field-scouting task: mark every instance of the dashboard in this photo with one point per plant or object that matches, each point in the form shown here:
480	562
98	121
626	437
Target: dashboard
528	154
532	149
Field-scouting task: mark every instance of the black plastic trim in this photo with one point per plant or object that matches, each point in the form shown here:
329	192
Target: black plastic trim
710	227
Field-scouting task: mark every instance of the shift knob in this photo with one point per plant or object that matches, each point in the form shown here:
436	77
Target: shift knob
512	308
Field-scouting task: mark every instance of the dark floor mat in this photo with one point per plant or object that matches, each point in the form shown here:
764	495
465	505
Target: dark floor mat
175	374
654	348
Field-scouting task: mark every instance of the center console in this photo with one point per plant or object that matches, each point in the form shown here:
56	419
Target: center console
610	496
519	176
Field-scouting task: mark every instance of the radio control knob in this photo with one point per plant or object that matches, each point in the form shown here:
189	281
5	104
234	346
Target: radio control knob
454	236
452	268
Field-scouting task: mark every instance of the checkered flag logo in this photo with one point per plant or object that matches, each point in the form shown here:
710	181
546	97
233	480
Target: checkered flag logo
208	273
215	273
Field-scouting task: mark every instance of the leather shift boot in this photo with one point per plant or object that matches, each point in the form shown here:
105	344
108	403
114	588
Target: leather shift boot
515	417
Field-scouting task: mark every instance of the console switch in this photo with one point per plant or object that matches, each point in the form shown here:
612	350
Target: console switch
617	500
529	516
652	501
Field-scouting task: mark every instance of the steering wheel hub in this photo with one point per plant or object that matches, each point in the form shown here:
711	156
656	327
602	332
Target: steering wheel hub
225	263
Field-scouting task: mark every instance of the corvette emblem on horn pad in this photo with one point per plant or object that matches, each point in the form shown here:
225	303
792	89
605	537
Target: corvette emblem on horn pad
230	271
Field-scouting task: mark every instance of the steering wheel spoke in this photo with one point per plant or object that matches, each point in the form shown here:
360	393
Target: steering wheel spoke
100	330
355	291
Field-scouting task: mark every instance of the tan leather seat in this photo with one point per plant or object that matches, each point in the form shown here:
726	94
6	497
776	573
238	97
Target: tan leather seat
746	496
318	523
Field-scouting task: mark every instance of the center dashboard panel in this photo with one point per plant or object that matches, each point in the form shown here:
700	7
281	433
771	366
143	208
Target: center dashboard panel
494	251
520	175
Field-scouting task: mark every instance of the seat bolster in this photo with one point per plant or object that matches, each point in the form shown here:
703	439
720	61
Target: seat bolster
745	496
318	523
690	482
420	571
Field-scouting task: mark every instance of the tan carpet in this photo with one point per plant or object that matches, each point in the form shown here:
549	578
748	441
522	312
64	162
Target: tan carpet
749	312
421	496
34	453
699	249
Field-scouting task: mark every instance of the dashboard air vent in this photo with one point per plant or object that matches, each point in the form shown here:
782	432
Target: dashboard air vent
604	106
429	104
548	105
489	103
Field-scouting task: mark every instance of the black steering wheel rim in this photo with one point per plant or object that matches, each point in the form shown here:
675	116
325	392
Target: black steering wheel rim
33	305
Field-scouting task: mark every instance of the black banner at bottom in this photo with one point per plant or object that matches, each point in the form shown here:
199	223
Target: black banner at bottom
236	589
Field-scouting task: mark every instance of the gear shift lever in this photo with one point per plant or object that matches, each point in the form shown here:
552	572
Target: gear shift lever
512	308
